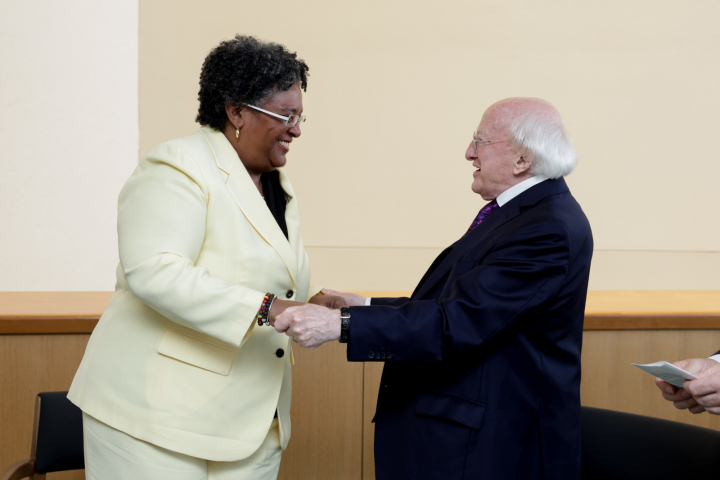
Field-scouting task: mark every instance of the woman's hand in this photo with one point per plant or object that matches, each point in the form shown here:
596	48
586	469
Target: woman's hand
329	301
279	307
351	299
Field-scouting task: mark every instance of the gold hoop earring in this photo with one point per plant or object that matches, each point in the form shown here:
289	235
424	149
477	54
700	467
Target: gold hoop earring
237	132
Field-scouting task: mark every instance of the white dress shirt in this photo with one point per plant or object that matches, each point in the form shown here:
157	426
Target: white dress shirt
516	190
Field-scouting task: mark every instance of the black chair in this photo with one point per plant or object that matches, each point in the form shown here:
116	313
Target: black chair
622	446
57	441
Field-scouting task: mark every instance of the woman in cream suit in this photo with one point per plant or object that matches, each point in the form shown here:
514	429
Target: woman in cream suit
179	380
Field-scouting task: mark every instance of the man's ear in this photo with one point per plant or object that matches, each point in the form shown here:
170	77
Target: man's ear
235	114
523	163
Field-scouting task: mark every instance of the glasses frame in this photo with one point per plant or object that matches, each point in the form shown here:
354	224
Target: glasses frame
298	118
483	143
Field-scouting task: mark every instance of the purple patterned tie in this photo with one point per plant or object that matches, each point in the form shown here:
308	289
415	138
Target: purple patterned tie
485	212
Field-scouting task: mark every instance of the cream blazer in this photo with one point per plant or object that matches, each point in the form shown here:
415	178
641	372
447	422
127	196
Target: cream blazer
177	359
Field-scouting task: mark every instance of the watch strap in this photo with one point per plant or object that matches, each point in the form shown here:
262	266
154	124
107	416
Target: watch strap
344	324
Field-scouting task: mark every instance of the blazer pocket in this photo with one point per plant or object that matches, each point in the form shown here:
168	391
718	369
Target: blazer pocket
197	352
455	409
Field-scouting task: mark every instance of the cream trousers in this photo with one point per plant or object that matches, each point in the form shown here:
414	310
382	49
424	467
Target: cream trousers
113	455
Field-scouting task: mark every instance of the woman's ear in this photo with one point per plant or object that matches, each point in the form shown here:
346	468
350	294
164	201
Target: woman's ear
235	115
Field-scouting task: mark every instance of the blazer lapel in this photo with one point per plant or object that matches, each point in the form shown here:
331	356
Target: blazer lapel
251	202
467	243
477	236
292	216
436	263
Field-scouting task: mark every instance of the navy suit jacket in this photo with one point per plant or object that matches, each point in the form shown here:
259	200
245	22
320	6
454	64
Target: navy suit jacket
482	363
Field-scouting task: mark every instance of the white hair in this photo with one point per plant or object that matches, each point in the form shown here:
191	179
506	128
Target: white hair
547	139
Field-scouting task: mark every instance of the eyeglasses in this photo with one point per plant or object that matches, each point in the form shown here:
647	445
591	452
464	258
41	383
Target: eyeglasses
290	121
483	143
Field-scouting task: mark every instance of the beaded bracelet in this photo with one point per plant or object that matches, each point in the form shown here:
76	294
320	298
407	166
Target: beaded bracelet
262	316
262	309
266	320
262	306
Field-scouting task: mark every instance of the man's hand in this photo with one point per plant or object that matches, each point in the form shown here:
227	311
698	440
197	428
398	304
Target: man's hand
706	389
702	394
351	299
309	325
328	300
278	307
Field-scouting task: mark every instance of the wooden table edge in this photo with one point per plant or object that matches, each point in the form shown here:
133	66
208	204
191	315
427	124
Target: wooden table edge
47	325
686	321
23	325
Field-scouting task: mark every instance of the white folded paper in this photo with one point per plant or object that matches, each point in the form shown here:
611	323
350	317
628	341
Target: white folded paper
668	372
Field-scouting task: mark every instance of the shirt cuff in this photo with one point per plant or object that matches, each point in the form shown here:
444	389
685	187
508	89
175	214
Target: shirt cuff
367	303
716	358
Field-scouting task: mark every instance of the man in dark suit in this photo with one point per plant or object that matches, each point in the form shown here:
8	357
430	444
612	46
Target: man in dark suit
482	362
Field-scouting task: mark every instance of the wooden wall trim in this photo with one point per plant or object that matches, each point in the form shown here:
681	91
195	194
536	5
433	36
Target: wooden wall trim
652	322
79	312
20	326
47	325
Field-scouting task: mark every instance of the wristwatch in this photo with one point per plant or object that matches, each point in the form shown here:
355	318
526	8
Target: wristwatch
344	324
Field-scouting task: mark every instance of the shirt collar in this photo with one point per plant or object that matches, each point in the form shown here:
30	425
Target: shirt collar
516	190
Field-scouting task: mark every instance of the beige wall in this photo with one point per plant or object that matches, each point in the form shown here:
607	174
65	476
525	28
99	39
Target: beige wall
68	139
396	88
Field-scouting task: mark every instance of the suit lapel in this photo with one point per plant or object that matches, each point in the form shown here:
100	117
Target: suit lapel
292	217
251	202
467	243
477	236
431	270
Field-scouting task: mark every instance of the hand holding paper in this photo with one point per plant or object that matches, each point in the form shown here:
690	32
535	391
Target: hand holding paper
667	371
697	395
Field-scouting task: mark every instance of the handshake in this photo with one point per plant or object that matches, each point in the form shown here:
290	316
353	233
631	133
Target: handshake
316	322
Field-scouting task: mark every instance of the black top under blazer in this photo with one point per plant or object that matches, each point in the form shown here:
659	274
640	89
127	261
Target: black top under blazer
482	362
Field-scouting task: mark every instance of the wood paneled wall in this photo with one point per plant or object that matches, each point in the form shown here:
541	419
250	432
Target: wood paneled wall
334	401
609	381
30	364
326	415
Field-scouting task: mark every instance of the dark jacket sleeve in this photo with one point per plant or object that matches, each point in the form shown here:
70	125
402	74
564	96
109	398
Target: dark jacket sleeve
521	276
389	301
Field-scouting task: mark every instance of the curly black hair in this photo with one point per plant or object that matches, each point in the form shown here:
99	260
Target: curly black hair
245	70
